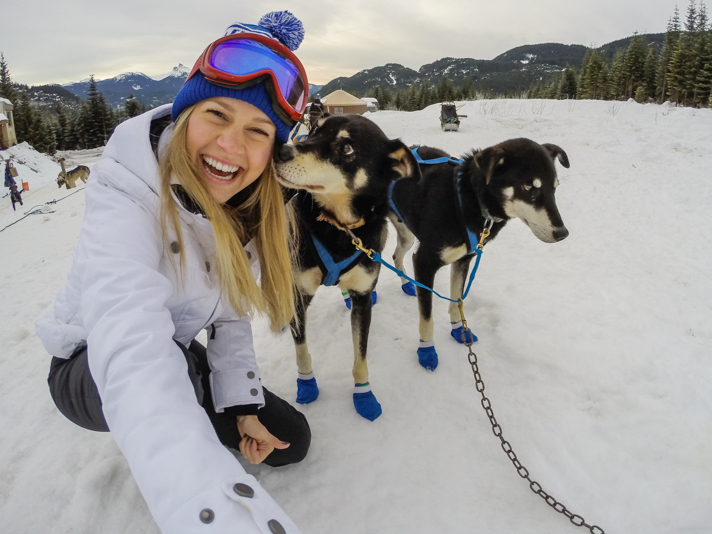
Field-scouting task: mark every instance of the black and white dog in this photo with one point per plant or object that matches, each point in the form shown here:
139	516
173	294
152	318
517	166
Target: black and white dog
449	207
342	171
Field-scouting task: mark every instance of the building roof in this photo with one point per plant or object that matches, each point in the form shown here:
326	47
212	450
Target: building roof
3	117
5	101
370	100
341	98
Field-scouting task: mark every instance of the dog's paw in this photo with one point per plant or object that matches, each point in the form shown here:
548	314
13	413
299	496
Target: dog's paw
307	390
456	333
428	358
408	288
367	406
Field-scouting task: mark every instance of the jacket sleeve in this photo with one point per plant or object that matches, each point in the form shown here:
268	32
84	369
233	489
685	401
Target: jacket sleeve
185	474
234	377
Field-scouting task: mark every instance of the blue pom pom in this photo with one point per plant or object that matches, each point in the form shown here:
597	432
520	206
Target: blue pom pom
285	27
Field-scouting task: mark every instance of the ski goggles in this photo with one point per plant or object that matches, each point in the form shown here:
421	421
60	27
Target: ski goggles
243	59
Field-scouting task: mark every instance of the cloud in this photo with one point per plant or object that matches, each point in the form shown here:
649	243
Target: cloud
57	42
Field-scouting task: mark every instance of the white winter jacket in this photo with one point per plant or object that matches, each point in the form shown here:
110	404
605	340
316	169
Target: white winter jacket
125	301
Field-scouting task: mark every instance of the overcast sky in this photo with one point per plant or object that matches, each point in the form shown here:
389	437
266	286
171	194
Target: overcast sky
61	41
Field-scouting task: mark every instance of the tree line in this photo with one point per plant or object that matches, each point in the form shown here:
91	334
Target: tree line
680	71
88	125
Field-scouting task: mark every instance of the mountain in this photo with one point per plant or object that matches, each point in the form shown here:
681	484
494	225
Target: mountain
511	72
149	91
51	95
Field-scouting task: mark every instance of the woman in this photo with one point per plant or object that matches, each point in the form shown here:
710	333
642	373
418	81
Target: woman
179	211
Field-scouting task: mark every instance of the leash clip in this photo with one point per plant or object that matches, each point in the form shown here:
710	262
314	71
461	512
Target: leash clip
359	244
485	232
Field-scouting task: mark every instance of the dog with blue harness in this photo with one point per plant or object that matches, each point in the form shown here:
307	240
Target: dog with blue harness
451	205
342	172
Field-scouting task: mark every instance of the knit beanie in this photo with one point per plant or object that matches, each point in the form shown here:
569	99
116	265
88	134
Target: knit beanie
281	26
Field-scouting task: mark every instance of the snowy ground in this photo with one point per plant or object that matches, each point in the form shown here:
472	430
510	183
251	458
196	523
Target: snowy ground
596	353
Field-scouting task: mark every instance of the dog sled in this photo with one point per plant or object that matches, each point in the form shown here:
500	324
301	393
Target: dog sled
449	119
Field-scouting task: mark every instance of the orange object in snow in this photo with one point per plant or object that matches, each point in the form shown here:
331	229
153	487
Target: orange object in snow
25	186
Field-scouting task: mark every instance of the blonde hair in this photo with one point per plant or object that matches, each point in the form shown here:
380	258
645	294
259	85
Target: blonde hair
261	217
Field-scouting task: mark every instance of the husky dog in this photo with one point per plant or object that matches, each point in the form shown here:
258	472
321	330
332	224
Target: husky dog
69	178
343	172
449	207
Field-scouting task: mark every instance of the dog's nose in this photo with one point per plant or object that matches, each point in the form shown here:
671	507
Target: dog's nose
561	233
283	154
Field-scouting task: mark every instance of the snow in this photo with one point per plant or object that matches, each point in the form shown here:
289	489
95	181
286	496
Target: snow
595	351
181	71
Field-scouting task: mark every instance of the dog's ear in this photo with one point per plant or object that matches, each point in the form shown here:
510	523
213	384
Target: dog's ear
557	153
488	160
403	161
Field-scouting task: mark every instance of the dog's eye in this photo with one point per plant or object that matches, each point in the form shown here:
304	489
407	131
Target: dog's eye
348	150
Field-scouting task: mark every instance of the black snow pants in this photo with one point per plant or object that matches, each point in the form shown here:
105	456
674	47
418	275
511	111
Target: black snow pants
75	393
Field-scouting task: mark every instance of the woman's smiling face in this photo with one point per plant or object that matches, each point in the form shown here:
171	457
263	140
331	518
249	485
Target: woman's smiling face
231	141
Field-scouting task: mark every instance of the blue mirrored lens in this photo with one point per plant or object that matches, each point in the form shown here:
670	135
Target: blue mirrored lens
243	57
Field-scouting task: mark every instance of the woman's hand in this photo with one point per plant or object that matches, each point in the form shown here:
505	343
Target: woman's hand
256	443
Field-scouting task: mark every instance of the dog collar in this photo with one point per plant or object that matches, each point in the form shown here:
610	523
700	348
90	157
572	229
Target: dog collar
339	224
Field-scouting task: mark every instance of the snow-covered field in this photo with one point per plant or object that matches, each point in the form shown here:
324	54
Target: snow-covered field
596	353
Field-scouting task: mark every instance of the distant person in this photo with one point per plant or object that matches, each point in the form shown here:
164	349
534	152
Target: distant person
15	196
182	213
9	172
316	110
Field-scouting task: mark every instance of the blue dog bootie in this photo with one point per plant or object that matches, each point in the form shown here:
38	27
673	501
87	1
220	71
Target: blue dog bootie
427	357
408	288
307	390
456	333
365	402
347	299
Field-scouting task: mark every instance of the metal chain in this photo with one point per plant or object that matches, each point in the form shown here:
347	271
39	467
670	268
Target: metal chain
507	448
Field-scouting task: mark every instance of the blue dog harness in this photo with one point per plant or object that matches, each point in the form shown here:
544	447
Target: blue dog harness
472	239
333	269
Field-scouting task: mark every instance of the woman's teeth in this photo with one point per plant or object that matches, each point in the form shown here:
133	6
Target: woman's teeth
219	170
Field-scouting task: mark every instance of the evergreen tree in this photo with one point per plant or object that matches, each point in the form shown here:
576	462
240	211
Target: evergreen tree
568	88
617	77
42	136
594	77
467	91
60	131
691	18
702	19
398	101
633	68
672	35
6	88
24	118
446	91
132	108
387	97
649	74
703	84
